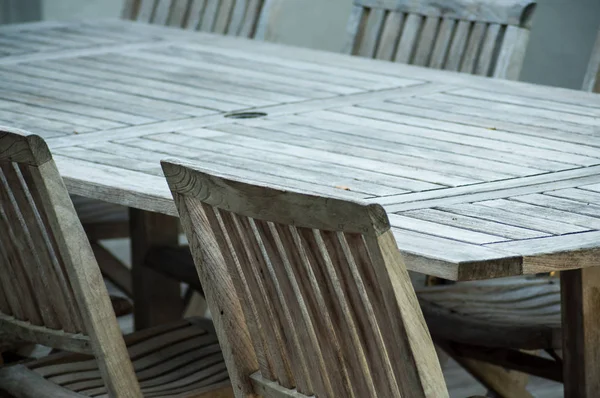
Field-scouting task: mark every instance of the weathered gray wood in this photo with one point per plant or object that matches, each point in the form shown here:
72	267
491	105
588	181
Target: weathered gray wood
580	328
503	12
247	18
410	137
242	233
473	36
591	81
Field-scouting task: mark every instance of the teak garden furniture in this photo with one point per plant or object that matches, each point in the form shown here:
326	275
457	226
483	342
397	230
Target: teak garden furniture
482	37
53	294
309	294
245	18
481	178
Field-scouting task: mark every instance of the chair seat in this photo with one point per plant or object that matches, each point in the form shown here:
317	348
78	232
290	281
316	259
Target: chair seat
504	313
182	359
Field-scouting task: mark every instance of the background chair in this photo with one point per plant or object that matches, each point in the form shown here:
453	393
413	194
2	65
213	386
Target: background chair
591	81
246	18
52	293
482	37
309	294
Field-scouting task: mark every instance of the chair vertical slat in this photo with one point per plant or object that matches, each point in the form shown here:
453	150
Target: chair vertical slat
237	17
489	49
370	42
306	355
473	47
24	252
59	292
355	29
5	307
178	13
253	9
50	240
161	12
278	288
390	36
195	14
591	81
393	300
223	16
202	228
316	316
146	10
246	277
442	44
275	322
10	275
410	34
458	46
512	53
209	16
337	329
369	364
130	9
426	41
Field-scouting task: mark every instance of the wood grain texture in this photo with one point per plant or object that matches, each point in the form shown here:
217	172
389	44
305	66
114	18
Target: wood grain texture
512	12
180	359
478	37
46	213
303	271
58	299
582	341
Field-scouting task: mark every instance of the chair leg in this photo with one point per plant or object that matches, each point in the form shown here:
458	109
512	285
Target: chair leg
501	382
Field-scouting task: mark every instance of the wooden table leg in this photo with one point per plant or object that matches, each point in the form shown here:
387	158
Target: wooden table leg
580	291
157	299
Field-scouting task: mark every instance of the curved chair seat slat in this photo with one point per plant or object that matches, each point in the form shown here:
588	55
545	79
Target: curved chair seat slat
514	313
182	359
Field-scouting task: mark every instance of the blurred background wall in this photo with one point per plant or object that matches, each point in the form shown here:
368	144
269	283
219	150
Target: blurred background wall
561	40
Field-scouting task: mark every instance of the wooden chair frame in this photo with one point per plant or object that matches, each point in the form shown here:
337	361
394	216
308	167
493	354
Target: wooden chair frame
239	231
245	18
483	37
77	315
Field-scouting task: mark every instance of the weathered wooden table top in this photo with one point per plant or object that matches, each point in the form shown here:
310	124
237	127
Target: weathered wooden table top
481	178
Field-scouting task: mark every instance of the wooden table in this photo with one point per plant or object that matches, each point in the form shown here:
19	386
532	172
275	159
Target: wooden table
481	178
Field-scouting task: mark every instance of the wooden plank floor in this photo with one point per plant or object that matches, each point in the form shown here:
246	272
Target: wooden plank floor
460	383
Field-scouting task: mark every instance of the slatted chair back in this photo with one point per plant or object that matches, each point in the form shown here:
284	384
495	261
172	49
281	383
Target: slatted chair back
482	37
51	289
591	81
246	18
309	295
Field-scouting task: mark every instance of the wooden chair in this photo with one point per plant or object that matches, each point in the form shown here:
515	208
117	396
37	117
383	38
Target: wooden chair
309	295
482	37
52	293
246	18
591	81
